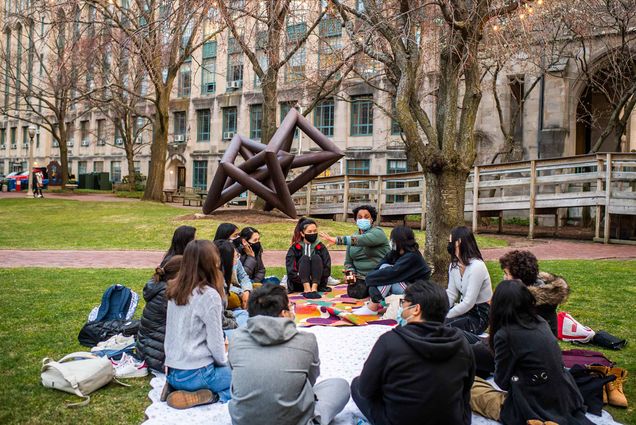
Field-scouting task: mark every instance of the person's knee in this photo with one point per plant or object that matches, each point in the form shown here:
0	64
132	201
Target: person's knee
375	294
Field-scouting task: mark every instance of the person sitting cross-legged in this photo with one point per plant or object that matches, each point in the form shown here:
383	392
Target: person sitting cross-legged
275	367
420	372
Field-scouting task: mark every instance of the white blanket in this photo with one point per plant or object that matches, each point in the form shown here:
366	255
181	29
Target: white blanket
343	351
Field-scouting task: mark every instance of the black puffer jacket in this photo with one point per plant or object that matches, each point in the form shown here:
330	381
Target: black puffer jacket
152	330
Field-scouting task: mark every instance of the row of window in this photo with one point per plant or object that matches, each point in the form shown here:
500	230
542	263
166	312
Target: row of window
13	134
324	119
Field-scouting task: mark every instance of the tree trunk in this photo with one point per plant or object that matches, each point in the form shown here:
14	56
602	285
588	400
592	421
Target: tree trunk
63	142
130	158
158	153
445	194
270	94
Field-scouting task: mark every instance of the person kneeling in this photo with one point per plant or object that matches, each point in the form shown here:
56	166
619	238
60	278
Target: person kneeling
420	372
280	388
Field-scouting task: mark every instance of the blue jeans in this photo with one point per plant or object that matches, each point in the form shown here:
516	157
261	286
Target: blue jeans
241	317
215	378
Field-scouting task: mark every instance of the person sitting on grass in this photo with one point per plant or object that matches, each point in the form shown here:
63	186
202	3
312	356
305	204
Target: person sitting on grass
280	388
195	347
236	316
420	372
469	288
404	263
241	283
152	327
180	238
252	254
549	290
365	249
308	261
528	365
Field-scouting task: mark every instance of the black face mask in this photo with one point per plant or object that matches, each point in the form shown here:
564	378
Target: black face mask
256	247
311	238
451	249
238	242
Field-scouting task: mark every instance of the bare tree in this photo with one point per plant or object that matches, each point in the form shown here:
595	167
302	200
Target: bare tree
163	34
44	91
432	47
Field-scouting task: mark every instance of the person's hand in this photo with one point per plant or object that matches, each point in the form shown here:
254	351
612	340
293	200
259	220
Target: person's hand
325	237
227	343
247	248
245	296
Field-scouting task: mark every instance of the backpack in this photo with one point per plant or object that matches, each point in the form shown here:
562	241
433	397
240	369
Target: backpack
118	303
77	373
570	330
94	332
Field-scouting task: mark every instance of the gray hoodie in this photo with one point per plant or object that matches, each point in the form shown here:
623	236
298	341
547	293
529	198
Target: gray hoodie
274	368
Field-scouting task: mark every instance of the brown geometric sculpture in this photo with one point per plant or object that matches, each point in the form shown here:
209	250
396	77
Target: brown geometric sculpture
265	167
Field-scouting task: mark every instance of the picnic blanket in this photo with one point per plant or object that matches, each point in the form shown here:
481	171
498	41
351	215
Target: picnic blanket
333	309
343	352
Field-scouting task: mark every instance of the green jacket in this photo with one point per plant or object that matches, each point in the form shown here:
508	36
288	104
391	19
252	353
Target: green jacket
364	250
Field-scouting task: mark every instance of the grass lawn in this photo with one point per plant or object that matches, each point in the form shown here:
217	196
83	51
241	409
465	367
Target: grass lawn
42	311
68	224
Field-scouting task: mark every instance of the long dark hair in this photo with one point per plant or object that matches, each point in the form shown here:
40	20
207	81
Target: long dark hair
468	248
180	238
169	270
224	231
247	233
300	227
200	267
226	254
404	239
511	304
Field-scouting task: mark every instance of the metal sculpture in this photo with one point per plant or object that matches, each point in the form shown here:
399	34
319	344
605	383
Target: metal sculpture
265	167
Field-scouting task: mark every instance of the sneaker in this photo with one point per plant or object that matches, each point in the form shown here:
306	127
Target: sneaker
115	342
364	311
311	295
186	399
332	281
128	367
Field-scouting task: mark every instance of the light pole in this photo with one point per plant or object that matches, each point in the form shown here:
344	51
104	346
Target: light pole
31	182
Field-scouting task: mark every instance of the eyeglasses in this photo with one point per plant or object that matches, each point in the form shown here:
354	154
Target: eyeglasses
403	300
291	307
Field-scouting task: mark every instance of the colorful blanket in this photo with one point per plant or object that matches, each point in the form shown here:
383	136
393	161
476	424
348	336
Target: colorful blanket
333	309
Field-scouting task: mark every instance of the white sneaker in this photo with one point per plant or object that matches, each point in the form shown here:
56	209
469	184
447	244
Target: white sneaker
128	367
115	342
332	281
364	311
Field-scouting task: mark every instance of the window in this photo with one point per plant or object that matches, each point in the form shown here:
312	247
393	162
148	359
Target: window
137	165
82	167
203	125
84	132
14	135
115	171
37	137
140	124
256	121
200	175
180	123
185	80
296	65
234	64
285	107
324	117
98	166
395	125
101	140
358	166
8	66
18	73
25	137
395	166
208	68
3	136
229	121
330	44
362	116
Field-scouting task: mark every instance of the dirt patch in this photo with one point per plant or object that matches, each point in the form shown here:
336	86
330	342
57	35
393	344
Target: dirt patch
241	216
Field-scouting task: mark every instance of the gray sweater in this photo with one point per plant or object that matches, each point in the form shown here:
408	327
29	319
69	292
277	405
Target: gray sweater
194	334
274	368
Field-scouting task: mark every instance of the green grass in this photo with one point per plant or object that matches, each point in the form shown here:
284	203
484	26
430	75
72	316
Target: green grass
42	311
69	224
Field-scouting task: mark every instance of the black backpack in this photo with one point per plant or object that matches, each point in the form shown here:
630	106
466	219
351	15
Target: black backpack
93	333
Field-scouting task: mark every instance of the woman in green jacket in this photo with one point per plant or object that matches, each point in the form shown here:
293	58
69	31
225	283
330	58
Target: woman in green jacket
365	248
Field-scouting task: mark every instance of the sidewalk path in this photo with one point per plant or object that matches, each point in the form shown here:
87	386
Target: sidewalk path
543	249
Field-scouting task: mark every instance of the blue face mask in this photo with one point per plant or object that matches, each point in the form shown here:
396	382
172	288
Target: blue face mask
364	224
401	320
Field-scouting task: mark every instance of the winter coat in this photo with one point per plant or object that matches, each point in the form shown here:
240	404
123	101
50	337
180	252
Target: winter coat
549	291
364	250
420	373
278	388
528	364
152	329
407	268
253	266
294	254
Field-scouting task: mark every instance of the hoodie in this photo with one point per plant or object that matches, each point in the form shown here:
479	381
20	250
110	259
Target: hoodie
274	368
549	291
420	373
152	327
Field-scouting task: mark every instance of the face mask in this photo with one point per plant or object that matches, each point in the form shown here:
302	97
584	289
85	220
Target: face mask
311	238
238	242
401	320
451	249
364	224
256	247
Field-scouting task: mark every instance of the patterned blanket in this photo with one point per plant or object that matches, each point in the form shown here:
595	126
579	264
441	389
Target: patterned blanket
333	309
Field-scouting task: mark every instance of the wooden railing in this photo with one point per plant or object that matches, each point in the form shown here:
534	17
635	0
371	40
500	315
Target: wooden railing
605	182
